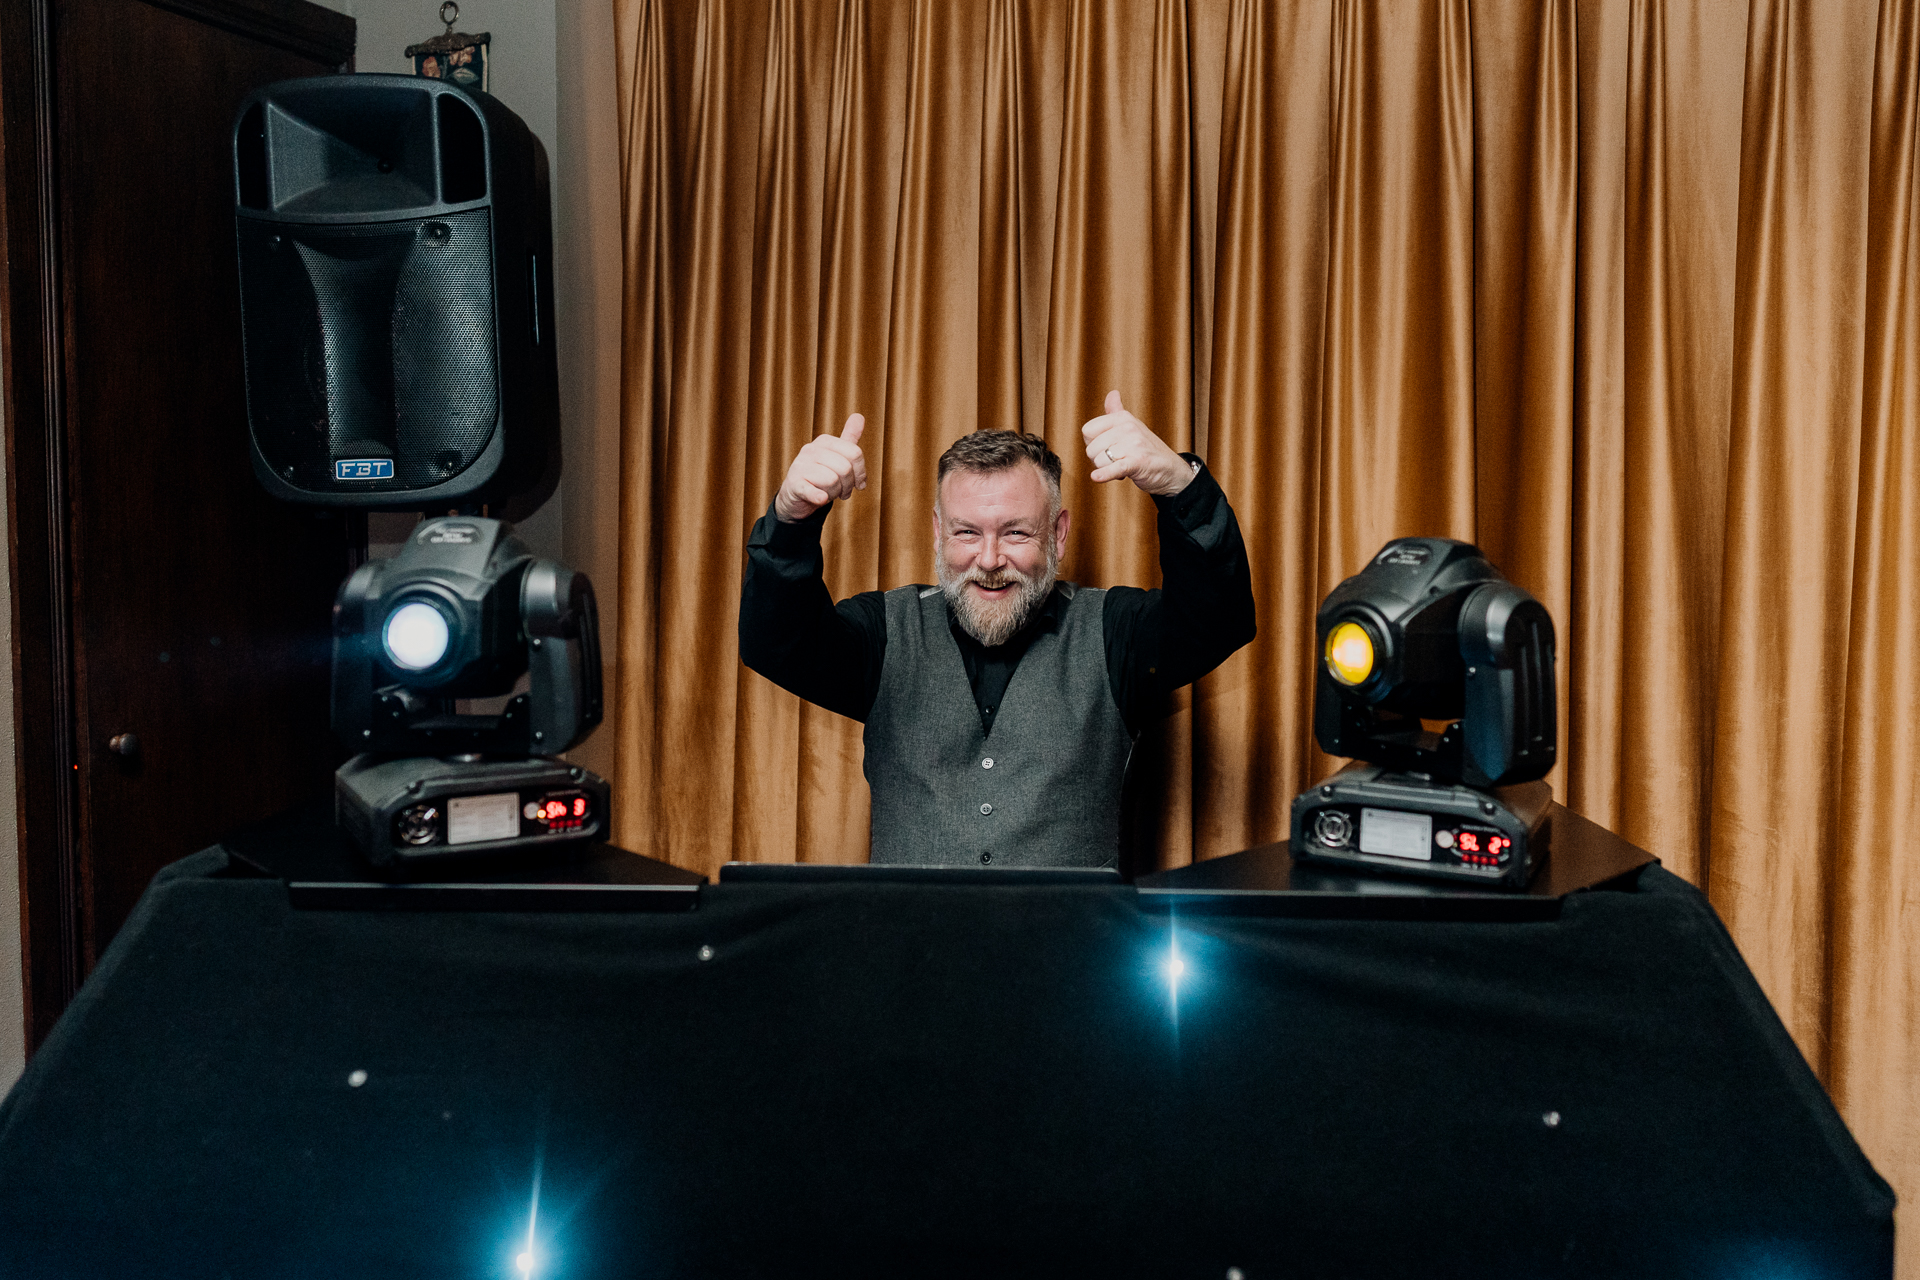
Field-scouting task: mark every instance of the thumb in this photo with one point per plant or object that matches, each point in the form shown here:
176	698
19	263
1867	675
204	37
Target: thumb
856	423
1113	402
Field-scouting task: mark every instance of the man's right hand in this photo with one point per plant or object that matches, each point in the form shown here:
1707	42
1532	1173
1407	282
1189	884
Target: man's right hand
827	467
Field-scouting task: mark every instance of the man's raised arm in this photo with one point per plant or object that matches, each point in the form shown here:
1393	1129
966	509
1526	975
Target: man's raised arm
1159	640
791	631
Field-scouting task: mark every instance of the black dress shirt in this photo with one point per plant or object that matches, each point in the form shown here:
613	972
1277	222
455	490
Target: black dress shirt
793	633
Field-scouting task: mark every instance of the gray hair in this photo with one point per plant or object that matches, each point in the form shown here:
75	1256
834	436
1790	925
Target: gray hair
991	450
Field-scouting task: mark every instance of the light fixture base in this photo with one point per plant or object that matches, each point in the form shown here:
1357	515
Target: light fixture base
413	809
1367	816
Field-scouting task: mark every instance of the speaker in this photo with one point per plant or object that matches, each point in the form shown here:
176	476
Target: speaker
395	293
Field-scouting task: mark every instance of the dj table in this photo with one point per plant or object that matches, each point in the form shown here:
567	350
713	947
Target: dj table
924	1079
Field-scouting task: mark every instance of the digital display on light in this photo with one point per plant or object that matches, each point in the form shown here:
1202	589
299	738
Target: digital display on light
1394	834
1483	848
567	811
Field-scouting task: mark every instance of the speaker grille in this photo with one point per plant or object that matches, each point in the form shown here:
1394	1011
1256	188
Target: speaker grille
370	341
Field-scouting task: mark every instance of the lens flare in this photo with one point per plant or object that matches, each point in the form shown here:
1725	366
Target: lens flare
416	636
527	1259
1350	653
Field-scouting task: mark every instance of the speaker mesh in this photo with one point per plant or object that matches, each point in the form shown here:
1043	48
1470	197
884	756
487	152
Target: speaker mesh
370	341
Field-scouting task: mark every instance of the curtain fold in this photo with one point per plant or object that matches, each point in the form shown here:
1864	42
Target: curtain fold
1525	250
1397	410
647	250
1685	71
1269	326
1792	479
863	136
1624	290
1873	1049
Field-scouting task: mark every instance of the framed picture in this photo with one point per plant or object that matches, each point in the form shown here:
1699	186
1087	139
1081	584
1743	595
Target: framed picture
454	55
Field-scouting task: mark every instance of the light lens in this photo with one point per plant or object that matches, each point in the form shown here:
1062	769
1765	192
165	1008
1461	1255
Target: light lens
1350	653
416	636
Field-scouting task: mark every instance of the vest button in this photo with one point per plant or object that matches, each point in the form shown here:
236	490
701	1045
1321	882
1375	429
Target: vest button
985	809
987	763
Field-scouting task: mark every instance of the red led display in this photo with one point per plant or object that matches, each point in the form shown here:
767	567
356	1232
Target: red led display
1468	843
560	813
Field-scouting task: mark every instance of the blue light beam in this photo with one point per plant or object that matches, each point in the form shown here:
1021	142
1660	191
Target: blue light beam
528	1258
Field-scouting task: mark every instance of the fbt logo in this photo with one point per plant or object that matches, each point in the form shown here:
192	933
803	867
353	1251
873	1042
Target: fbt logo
363	469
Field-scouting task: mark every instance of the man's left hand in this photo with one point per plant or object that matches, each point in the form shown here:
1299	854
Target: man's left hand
1120	445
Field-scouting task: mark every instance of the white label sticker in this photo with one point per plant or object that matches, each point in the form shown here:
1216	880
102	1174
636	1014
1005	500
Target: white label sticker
473	818
1408	554
1395	834
458	535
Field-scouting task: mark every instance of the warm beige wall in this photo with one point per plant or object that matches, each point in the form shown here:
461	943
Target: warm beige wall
13	1004
588	281
553	64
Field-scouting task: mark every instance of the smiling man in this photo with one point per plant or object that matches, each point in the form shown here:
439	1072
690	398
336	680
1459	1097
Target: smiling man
1001	705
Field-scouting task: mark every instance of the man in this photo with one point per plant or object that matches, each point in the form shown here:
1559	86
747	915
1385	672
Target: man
1000	706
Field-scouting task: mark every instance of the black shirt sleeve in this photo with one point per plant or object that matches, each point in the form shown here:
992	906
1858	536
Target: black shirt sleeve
1159	640
793	633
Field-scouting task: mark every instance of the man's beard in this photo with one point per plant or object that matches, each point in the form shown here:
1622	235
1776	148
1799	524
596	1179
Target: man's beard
994	622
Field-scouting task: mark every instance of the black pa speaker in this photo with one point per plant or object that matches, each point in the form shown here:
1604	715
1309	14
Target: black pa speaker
395	293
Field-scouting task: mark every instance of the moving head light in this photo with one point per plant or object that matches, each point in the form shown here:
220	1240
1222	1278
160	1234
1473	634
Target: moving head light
462	612
1430	631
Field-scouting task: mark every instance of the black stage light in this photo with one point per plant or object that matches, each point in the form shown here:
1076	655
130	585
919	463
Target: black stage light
462	612
1430	631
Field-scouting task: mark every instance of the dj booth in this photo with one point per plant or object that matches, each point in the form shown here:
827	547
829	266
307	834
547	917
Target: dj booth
914	1078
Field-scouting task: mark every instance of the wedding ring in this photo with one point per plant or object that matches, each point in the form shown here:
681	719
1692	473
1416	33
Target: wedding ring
1111	457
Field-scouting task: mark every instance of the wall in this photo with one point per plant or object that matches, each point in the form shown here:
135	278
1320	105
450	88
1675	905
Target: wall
553	64
13	1008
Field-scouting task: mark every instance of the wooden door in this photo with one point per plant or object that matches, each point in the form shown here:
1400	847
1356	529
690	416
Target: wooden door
158	591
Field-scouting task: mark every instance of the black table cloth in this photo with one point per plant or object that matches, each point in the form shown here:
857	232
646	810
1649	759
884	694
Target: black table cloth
924	1080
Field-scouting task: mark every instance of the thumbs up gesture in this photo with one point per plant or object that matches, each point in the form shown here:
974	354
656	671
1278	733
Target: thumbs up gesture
1119	444
827	467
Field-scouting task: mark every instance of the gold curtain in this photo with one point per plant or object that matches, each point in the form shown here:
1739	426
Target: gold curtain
1626	291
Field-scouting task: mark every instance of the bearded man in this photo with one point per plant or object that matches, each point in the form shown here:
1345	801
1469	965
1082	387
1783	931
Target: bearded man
1001	706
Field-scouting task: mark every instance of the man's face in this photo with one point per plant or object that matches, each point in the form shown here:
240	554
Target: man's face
995	550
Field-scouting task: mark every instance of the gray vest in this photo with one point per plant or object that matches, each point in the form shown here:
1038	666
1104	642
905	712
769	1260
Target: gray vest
1042	791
